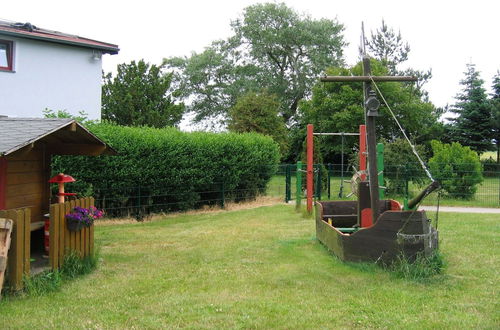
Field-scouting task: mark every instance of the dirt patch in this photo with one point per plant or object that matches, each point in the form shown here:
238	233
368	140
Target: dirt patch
258	202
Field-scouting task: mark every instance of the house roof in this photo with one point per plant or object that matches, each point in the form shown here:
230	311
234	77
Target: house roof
61	136
29	31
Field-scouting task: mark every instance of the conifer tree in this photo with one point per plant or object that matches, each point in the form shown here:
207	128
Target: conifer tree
472	126
495	112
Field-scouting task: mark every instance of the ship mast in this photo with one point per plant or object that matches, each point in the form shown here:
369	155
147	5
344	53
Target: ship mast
371	105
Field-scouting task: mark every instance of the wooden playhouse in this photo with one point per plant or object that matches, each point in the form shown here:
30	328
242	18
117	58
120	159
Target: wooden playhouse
26	148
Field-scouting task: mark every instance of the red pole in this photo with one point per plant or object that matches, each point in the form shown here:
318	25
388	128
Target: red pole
310	183
362	150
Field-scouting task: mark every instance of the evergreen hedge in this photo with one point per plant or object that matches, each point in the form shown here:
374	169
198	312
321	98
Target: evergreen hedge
171	170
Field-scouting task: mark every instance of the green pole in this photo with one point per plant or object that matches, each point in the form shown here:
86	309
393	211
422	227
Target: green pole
298	194
380	165
288	181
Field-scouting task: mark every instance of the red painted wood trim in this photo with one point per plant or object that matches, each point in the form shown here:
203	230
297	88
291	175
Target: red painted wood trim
310	152
10	55
366	218
362	150
3	182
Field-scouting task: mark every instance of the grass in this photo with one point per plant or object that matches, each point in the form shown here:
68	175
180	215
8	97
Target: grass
52	280
263	268
489	154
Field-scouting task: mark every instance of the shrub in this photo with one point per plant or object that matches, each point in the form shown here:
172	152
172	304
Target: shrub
170	170
401	165
457	168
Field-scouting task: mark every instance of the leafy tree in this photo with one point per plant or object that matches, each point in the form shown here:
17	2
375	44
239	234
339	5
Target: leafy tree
81	118
338	107
272	47
140	95
495	113
457	168
472	126
259	112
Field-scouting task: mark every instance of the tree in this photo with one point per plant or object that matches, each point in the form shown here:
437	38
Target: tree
338	107
472	126
272	47
82	116
389	48
495	113
259	112
140	95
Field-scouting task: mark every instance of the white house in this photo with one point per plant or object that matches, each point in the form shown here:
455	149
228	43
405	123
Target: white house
47	69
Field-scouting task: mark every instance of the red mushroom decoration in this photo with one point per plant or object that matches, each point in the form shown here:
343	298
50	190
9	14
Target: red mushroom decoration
61	179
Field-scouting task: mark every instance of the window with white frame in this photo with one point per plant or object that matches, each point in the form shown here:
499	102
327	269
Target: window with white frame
6	55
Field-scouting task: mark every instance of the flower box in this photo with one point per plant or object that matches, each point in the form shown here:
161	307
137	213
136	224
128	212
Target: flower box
82	217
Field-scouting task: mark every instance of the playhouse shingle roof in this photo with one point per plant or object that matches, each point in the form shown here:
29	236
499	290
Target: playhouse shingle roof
16	133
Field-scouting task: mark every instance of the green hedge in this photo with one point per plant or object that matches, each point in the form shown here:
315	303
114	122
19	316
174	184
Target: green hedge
171	170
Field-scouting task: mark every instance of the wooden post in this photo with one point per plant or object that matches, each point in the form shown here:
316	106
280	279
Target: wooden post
372	143
309	182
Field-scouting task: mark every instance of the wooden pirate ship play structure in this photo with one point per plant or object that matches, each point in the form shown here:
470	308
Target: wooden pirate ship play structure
371	229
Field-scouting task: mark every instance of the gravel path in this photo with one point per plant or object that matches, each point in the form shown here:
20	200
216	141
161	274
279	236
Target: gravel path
461	209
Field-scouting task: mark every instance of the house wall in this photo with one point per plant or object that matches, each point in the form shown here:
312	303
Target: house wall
49	75
26	183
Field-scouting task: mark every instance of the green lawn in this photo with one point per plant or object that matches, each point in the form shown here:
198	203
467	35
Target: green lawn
263	268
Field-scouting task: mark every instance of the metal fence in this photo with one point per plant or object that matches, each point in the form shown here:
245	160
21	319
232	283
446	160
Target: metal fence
402	181
139	201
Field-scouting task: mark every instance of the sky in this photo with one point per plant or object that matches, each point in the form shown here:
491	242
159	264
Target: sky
443	35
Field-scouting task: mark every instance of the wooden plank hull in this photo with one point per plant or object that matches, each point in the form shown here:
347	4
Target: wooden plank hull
394	233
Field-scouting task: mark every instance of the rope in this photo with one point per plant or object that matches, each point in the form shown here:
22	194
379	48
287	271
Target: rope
402	130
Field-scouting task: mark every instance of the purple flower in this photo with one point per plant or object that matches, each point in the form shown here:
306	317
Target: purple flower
84	215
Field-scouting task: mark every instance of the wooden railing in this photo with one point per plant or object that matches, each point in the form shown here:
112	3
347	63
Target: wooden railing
18	259
62	241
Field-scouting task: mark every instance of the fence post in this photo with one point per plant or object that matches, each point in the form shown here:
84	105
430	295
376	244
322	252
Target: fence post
298	186
319	183
288	183
405	177
138	198
222	199
328	178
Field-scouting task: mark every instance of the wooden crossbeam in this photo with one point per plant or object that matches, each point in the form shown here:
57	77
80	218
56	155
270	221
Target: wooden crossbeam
366	78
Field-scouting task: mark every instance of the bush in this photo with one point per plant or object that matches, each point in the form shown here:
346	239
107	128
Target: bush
457	168
401	165
165	169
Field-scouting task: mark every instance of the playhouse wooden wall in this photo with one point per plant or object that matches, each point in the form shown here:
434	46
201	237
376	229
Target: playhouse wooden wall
24	182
